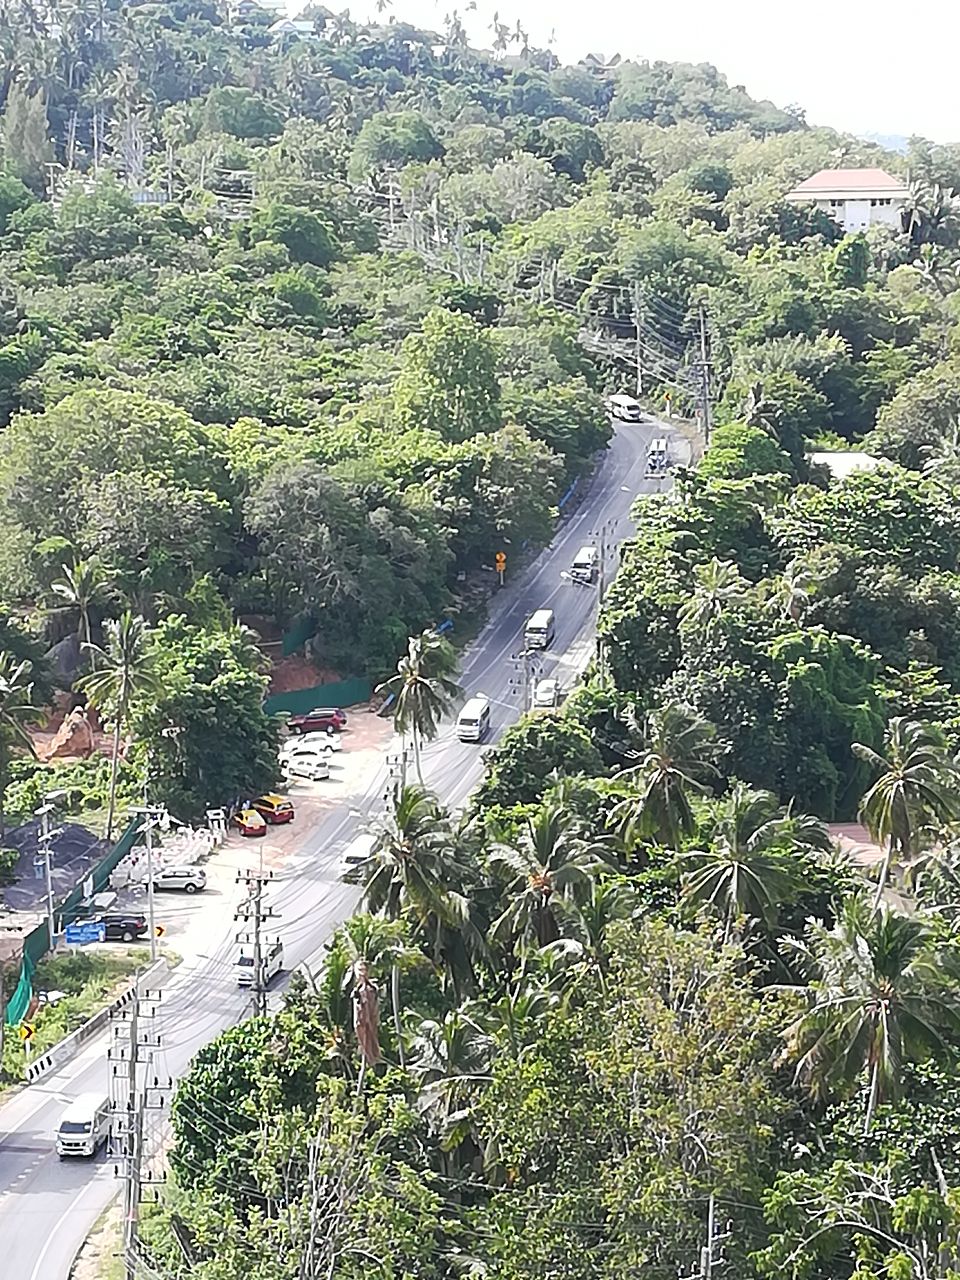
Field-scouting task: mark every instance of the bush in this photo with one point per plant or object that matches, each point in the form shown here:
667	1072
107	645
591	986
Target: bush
8	860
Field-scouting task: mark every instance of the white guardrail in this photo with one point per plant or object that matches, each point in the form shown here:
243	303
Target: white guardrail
65	1049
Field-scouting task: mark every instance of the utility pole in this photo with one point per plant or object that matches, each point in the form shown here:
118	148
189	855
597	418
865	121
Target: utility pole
253	912
44	843
125	1056
152	816
639	345
704	374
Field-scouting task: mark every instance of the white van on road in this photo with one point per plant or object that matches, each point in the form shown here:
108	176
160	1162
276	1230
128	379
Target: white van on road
271	962
626	408
85	1126
538	633
474	719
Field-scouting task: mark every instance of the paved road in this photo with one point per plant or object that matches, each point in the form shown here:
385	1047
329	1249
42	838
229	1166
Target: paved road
47	1208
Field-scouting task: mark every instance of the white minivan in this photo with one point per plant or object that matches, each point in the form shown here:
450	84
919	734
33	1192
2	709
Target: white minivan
85	1126
271	962
538	633
584	567
474	719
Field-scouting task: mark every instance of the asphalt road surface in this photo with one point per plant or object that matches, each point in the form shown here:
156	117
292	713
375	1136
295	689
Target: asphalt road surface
48	1206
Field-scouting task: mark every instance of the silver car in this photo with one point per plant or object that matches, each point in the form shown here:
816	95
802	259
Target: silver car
547	693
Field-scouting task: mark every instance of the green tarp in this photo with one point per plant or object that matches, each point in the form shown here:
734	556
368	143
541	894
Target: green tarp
345	693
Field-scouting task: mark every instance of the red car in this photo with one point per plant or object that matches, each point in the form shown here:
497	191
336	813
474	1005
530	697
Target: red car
275	809
250	823
330	719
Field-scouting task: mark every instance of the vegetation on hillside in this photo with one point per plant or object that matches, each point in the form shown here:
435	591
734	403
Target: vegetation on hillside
309	327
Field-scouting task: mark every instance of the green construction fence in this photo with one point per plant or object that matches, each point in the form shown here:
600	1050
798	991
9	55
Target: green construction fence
344	693
36	943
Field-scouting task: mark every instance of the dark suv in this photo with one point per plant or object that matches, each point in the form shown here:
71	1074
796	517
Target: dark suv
332	719
122	926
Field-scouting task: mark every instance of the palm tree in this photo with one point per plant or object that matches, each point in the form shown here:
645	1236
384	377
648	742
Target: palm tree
413	867
422	689
877	997
608	901
548	861
917	786
676	762
123	668
793	590
450	1058
747	871
718	585
17	710
82	586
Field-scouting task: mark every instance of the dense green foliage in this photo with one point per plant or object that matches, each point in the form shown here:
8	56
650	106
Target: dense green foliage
308	327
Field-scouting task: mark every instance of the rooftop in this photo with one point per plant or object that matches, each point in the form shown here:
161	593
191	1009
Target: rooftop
850	182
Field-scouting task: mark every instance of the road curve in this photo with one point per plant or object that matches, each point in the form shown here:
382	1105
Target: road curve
48	1207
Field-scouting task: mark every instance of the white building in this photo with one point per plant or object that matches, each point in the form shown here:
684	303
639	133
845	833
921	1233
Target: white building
856	198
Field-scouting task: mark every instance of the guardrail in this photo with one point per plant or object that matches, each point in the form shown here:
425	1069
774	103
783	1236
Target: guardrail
66	1048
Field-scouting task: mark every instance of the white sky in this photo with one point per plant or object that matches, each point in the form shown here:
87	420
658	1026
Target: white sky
885	67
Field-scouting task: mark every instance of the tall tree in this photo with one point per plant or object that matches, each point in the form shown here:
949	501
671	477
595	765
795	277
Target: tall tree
17	710
542	867
717	585
26	135
447	379
422	689
919	784
676	763
747	871
880	993
82	587
123	667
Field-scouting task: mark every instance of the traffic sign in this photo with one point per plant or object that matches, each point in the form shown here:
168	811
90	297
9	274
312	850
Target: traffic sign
27	1030
501	560
160	930
78	935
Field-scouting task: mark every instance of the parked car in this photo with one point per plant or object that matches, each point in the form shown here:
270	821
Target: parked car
187	879
249	823
310	763
547	693
276	809
320	719
122	926
323	741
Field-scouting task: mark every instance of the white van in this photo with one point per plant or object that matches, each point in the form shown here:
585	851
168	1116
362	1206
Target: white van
626	408
85	1126
584	567
271	962
658	456
538	633
474	719
358	851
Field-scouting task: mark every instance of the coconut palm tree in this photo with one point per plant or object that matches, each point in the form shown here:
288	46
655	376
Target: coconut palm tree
124	667
450	1060
422	689
793	590
607	901
549	860
17	710
917	786
878	996
82	587
676	763
746	870
415	866
718	585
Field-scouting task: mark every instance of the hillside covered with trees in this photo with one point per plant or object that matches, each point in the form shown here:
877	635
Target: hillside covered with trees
306	324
